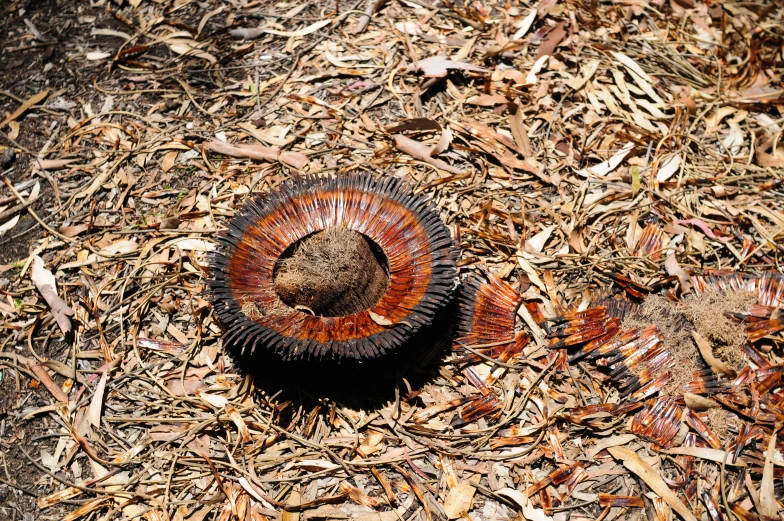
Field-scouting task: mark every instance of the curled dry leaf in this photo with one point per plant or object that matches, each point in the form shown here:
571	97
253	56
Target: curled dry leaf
250	34
488	100
536	243
96	404
519	131
549	44
121	247
42	374
258	152
168	160
25	106
719	456
652	478
706	350
13	129
370	9
673	268
702	226
242	428
215	400
443	142
97	55
422	152
439	66
775	160
605	167
668	168
525	25
612	441
53	164
9	225
246	33
378	319
190	48
46	284
531	78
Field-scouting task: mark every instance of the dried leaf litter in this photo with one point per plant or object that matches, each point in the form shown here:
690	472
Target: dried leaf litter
596	163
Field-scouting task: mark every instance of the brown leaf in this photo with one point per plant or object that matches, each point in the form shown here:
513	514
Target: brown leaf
43	376
488	100
188	386
551	42
53	164
96	404
485	133
168	160
674	268
771	160
246	33
696	402
443	142
359	497
293	500
707	453
520	132
414	124
25	106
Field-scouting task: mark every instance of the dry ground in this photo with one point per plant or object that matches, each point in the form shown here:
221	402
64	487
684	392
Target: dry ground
585	148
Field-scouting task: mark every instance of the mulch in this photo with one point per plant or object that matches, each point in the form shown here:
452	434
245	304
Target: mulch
596	162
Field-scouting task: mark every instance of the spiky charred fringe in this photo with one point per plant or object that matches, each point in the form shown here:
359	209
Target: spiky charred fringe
409	231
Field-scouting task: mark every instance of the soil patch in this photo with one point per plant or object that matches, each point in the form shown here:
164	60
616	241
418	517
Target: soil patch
335	272
707	313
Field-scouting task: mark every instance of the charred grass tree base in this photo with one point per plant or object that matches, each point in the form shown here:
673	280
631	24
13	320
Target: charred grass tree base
368	383
267	250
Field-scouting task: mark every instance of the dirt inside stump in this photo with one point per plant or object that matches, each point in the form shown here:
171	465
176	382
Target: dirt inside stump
335	272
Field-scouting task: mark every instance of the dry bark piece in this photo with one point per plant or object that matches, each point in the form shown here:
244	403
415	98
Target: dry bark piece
405	235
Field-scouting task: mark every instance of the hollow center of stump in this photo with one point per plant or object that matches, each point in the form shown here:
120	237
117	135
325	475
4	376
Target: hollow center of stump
335	272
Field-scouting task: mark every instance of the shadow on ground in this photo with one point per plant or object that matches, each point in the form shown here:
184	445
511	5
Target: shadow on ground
358	385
